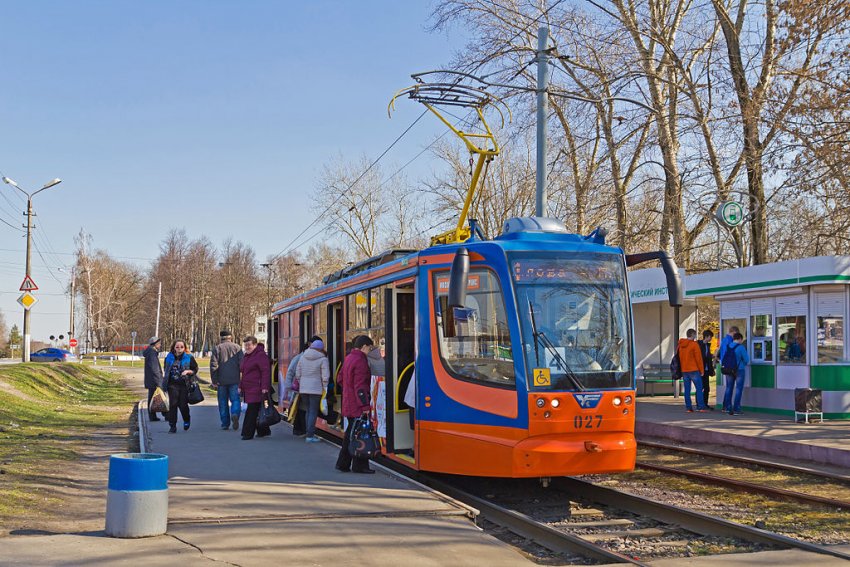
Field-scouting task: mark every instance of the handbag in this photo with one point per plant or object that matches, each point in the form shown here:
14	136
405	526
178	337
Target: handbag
159	401
195	395
268	415
364	443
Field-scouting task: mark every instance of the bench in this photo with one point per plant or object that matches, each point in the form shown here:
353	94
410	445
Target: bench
655	378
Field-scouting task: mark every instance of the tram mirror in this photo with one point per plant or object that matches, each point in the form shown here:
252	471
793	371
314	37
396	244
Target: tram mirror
458	278
675	291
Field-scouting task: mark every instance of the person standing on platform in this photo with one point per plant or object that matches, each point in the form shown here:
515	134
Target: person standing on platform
708	366
313	374
736	383
224	374
727	341
690	359
355	378
180	369
153	371
255	386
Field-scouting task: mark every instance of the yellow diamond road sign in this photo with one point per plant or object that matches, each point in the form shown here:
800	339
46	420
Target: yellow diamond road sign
27	300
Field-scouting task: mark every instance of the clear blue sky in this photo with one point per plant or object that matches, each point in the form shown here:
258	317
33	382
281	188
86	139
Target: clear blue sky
211	115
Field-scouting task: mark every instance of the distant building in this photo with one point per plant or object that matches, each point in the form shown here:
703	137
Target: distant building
260	330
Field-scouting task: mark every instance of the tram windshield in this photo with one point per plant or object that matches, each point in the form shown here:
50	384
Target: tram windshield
575	321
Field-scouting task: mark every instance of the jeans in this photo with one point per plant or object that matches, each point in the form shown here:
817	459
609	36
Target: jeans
696	378
736	384
228	393
311	404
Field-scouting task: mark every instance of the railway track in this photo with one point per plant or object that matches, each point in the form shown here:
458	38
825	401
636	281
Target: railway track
749	461
562	542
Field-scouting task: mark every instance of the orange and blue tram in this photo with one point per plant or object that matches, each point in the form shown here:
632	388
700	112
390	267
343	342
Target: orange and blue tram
515	354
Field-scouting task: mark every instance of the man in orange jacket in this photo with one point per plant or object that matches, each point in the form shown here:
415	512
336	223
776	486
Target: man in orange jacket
691	363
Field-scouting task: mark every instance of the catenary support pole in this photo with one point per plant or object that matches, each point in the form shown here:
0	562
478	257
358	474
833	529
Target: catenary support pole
542	112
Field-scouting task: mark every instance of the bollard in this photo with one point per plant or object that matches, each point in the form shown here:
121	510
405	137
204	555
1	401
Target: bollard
137	500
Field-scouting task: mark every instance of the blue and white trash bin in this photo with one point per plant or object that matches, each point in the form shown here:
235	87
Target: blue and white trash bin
137	500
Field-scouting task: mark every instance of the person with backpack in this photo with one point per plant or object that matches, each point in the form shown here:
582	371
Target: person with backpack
727	341
733	364
691	364
708	366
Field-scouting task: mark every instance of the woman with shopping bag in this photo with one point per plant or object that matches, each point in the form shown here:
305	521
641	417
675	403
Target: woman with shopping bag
180	370
355	378
254	386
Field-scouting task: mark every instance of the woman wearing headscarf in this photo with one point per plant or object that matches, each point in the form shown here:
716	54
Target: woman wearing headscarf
255	386
180	370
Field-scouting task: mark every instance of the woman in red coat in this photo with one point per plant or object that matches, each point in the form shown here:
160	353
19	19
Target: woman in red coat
254	386
356	379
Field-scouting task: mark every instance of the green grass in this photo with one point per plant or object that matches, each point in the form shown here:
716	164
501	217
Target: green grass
62	404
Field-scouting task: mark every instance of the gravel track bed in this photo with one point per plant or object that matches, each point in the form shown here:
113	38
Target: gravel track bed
649	539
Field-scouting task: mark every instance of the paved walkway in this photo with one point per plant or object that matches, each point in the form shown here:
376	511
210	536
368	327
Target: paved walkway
825	443
279	500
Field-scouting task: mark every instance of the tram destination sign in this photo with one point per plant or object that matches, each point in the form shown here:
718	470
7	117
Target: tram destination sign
579	271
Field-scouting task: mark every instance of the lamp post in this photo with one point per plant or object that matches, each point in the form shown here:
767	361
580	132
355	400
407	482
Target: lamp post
26	350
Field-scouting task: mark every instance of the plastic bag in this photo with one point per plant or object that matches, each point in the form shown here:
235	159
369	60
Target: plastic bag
323	406
244	407
159	401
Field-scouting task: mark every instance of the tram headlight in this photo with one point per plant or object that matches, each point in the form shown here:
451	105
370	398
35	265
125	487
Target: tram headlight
617	400
628	399
541	402
556	402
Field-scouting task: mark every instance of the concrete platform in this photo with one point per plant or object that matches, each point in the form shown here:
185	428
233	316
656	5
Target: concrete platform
824	443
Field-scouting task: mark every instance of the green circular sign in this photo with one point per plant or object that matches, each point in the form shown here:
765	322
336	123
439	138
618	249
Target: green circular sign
731	213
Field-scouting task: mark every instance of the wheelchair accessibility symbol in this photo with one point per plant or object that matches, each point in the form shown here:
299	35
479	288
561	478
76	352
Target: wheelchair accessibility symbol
542	377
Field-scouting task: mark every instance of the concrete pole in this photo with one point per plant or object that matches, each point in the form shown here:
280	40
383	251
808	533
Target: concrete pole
158	304
26	350
542	112
71	329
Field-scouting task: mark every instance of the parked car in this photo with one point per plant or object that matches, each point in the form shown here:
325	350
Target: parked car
52	355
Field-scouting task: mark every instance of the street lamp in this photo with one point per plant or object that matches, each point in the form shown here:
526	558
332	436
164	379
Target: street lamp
48	185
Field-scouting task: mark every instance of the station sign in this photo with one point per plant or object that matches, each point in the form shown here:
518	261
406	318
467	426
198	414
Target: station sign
730	213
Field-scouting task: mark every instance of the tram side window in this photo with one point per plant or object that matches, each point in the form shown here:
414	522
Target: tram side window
474	340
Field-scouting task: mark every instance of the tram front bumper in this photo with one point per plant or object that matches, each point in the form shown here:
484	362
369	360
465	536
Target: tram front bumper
575	454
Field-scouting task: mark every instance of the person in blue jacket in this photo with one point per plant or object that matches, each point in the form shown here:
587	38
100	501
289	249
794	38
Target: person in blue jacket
180	368
727	341
742	358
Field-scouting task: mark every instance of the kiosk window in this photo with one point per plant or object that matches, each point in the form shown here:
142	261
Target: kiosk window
792	339
761	340
830	340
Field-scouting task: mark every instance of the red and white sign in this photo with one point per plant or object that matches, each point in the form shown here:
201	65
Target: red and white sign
72	343
28	284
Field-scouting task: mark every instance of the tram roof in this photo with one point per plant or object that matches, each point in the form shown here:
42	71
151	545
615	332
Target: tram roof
521	234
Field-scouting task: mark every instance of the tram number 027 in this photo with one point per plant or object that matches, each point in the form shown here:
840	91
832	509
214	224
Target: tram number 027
587	421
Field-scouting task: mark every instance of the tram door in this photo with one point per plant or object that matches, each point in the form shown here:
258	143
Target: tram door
400	355
336	351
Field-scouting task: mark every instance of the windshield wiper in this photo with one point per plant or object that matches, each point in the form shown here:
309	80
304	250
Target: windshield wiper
540	337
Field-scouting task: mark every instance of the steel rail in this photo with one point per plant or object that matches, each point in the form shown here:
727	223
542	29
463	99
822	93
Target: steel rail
691	520
746	486
516	522
527	527
748	460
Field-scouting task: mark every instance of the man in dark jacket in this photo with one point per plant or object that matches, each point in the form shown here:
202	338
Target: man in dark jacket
355	378
707	366
153	371
224	374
